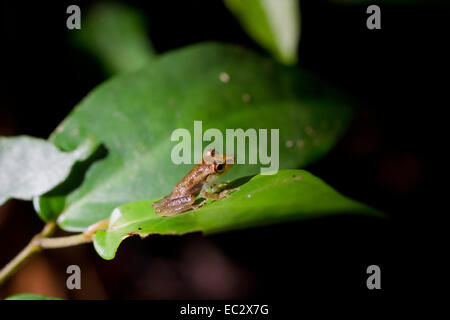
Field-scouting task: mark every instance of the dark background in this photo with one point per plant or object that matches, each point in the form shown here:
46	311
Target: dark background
394	73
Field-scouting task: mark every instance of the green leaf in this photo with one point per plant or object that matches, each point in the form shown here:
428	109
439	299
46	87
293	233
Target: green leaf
382	2
274	24
116	35
134	115
30	166
265	199
31	296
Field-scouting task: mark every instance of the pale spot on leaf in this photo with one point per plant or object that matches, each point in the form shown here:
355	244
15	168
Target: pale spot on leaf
224	77
289	144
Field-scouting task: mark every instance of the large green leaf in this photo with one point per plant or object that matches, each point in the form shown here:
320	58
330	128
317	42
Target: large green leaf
225	86
31	166
264	199
31	296
274	24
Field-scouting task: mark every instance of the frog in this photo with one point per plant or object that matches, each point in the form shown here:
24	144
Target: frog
198	182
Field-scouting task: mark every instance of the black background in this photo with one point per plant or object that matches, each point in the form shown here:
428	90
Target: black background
396	74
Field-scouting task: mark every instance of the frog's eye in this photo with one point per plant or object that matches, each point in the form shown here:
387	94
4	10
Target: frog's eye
220	167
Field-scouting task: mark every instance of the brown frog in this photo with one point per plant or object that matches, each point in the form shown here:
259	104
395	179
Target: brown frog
199	181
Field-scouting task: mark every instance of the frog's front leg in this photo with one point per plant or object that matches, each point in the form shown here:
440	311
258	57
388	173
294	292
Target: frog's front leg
215	194
220	185
176	205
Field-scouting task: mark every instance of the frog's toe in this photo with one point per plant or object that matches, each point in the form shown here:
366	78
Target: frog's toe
198	206
156	205
159	203
225	194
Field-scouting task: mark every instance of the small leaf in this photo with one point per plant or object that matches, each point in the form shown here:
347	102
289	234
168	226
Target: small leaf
30	166
274	24
116	35
31	296
265	199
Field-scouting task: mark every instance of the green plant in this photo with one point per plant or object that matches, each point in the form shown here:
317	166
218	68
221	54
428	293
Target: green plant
112	152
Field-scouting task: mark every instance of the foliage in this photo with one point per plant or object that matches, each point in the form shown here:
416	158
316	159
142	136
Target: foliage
31	166
31	296
261	200
116	35
274	24
134	115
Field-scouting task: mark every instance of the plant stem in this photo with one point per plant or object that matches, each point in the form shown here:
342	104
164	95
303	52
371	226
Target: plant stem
41	241
26	252
62	242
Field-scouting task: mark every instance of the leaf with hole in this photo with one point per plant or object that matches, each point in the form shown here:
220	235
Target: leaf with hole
261	200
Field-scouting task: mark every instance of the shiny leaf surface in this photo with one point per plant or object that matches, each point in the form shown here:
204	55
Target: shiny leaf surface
224	86
264	199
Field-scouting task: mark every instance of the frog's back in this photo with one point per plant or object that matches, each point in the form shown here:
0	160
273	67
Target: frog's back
192	182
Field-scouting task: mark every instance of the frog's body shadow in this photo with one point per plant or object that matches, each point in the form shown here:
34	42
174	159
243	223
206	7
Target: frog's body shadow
232	185
239	182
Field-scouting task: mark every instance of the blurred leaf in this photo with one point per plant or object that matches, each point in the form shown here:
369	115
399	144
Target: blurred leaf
116	35
134	115
274	24
265	199
390	2
31	296
30	166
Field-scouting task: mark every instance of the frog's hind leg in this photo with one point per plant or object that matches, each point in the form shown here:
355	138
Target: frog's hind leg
174	206
160	202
